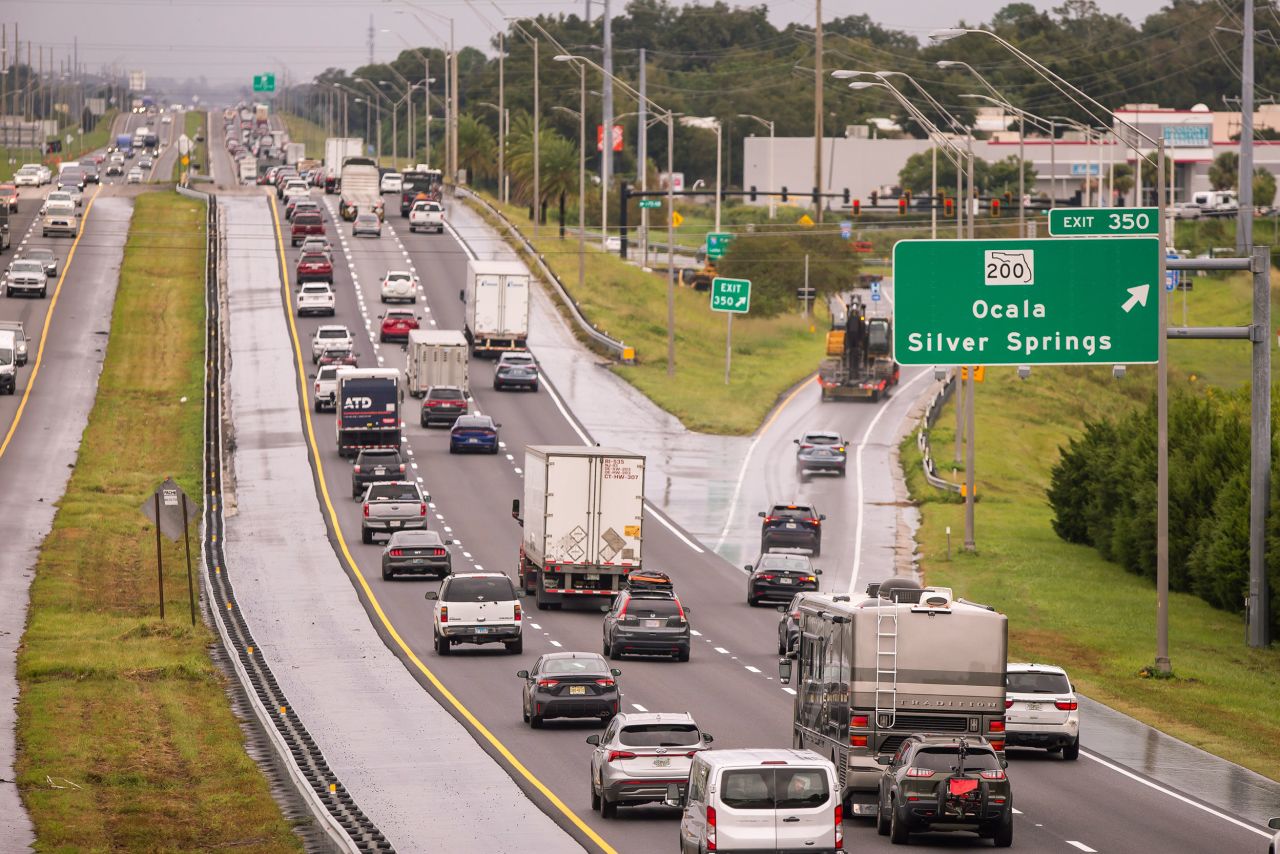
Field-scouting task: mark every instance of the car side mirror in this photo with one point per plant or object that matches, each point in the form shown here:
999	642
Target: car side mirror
523	674
594	739
462	295
784	671
884	760
795	441
431	594
822	517
674	798
782	609
1004	763
761	514
616	672
448	542
604	609
747	567
1274	824
311	376
687	610
515	509
708	737
817	572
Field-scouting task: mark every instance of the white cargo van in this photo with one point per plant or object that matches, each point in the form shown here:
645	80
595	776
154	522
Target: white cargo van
8	362
760	800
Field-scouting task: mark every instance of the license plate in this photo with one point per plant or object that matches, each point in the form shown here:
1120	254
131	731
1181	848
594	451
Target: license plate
417	561
1033	707
482	630
652	624
785	581
662	762
380	470
472	441
592	576
577	689
394	524
791	524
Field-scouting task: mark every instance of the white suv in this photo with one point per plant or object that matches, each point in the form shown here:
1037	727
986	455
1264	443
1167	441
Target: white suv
477	607
1041	709
330	338
400	285
316	298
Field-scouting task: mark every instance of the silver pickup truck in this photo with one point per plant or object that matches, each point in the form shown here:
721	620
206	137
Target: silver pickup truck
393	506
26	277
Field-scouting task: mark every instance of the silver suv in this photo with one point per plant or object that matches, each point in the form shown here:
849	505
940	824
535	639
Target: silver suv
1041	709
639	755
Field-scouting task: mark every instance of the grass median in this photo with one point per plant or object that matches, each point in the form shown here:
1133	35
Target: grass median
126	739
770	355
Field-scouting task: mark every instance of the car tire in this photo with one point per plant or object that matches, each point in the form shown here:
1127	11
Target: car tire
442	645
516	647
452	448
1003	836
604	647
1071	752
608	808
882	820
752	600
899	831
595	797
8	292
817	548
316	405
425	423
387	576
683	655
366	536
614	653
44	292
535	721
782	646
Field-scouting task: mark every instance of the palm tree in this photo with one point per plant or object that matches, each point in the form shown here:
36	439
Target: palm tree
559	161
477	150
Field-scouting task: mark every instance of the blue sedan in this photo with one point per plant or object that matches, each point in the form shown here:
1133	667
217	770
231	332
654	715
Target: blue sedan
474	433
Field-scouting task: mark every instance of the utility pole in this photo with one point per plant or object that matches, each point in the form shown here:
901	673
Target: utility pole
537	154
453	126
1244	220
370	39
502	116
817	108
642	157
606	137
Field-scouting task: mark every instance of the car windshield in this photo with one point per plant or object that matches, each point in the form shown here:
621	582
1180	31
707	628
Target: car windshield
660	735
650	608
786	512
482	589
472	422
306	218
8	191
315	289
394	492
366	219
522	359
415	538
27	267
378	457
795	563
821	439
446	394
1039	683
948	759
40	254
314	258
578	666
339	332
328	372
6	356
395	277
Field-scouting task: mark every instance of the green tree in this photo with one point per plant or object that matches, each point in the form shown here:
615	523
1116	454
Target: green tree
477	150
1264	187
1002	176
916	174
775	265
1224	171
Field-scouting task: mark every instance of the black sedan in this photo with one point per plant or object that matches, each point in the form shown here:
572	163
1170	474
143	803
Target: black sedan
647	623
778	576
569	685
416	553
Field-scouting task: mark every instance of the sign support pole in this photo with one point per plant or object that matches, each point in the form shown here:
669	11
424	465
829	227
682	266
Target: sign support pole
186	534
960	411
159	557
728	344
969	542
1162	663
805	303
1259	602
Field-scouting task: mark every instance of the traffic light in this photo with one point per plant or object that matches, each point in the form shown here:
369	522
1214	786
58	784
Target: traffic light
753	192
1008	197
857	207
846	195
784	195
948	207
875	198
907	194
902	206
995	207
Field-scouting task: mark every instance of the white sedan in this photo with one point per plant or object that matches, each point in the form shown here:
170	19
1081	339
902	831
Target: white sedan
368	224
400	285
26	178
134	176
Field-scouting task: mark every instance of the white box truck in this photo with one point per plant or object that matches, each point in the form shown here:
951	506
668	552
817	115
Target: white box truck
248	170
583	518
435	357
294	152
497	306
336	150
361	190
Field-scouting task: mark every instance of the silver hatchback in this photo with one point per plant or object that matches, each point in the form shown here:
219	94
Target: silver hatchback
639	755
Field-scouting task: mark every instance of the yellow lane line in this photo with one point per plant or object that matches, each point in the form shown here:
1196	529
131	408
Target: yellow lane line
48	321
373	600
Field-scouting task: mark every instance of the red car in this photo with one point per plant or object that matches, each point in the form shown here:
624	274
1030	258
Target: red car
304	225
314	267
397	323
342	356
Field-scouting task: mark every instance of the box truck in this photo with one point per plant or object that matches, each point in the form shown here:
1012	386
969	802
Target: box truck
248	170
368	409
435	357
336	150
294	153
361	188
583	516
497	306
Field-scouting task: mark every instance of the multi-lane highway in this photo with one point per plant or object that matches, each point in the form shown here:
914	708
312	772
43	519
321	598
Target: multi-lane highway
730	685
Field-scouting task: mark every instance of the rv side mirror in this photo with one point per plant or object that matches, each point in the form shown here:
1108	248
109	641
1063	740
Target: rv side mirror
523	674
884	760
431	594
593	739
784	671
674	798
515	508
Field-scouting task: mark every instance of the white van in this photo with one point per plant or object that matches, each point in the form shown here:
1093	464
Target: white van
8	362
760	800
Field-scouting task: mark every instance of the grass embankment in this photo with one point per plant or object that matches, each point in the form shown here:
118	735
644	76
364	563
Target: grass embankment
1067	605
769	355
11	159
193	126
306	132
126	713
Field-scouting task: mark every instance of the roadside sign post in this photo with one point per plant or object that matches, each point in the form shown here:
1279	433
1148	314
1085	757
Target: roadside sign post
650	204
732	296
168	510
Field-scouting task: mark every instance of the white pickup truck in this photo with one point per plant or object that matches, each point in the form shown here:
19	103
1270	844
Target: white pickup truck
477	607
427	216
325	388
392	506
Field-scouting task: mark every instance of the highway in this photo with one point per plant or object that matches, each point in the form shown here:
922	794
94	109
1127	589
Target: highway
730	685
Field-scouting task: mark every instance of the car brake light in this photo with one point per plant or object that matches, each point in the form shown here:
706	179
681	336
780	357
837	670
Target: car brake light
444	614
768	577
620	754
1065	705
769	519
997	725
812	521
318	391
356	468
681	607
839	827
997	774
623	612
518	612
366	511
439	553
1008	704
858	721
396	552
805	446
920	772
711	828
548	683
402	467
606	682
857	741
422	509
997	745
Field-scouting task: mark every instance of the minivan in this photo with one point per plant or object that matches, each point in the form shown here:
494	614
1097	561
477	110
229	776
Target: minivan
760	800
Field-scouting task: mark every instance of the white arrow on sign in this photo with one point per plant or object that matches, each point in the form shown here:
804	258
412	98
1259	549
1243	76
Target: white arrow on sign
1137	296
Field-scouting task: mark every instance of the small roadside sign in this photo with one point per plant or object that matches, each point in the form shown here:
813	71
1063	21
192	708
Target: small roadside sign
676	219
717	243
846	229
1171	276
732	295
805	220
651	203
875	291
1103	222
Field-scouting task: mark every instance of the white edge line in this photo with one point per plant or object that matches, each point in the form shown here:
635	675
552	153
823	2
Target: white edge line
866	436
1210	810
737	490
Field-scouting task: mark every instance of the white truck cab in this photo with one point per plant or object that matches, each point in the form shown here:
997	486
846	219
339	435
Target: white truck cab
8	362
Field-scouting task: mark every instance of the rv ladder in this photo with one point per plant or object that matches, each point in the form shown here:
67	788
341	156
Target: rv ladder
886	665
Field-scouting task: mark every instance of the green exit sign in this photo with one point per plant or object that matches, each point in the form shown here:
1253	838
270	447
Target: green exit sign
264	83
1026	302
717	242
1103	222
651	203
732	295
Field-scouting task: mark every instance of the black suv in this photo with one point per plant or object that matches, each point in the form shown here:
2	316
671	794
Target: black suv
647	622
794	525
937	782
443	404
374	465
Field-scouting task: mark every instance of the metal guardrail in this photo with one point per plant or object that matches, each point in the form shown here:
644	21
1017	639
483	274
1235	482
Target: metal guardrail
622	352
344	826
922	435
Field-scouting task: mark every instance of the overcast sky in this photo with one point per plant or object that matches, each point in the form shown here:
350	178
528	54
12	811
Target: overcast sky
230	40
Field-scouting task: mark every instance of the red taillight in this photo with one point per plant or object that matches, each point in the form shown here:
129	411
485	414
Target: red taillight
812	521
422	509
768	577
1066	705
711	828
997	774
518	612
366	511
444	613
1008	704
440	553
857	741
919	772
606	682
548	683
859	721
402	467
620	754
768	519
997	725
997	745
356	467
681	607
805	447
317	392
839	827
431	403
396	552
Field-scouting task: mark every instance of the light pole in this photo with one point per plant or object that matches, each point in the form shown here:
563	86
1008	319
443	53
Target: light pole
1024	116
773	203
377	105
503	121
581	113
1022	162
710	123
